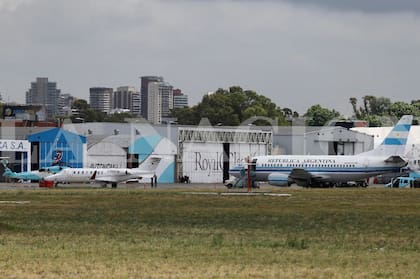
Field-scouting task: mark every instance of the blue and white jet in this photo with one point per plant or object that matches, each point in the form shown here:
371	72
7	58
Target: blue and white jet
35	175
317	170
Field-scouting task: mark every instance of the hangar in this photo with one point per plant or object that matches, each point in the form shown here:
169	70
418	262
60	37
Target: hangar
47	145
205	154
106	152
326	140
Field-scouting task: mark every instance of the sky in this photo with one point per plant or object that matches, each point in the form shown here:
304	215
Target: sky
296	52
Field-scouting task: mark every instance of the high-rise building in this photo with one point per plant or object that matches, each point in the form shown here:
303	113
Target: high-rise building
65	104
46	94
100	99
135	103
154	103
180	99
159	101
122	97
144	92
167	98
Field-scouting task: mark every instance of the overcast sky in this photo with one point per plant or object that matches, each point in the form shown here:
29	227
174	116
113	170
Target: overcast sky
296	52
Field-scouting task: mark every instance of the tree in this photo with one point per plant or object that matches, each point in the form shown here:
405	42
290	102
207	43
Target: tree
353	102
319	116
416	107
399	109
371	106
381	106
231	108
86	114
80	104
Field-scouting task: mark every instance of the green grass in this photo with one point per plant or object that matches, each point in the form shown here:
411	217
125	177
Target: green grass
107	233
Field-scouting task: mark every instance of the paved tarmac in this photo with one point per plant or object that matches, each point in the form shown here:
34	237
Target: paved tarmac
166	186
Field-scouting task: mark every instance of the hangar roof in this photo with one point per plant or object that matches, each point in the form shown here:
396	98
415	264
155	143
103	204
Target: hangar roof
56	135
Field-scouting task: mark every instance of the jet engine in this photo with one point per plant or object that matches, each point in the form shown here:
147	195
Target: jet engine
278	179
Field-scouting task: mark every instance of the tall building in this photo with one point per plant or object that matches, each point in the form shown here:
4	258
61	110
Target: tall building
100	98
154	103
167	98
135	103
180	99
65	104
156	98
46	94
122	98
144	92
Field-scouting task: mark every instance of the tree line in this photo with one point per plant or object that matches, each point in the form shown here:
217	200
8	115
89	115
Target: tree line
234	106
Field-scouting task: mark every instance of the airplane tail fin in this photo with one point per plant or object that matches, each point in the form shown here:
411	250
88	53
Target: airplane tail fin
7	171
150	164
4	163
395	142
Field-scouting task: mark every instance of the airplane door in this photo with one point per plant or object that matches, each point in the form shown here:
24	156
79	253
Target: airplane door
254	165
226	166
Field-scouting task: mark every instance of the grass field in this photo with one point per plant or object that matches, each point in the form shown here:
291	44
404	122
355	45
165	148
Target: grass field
108	233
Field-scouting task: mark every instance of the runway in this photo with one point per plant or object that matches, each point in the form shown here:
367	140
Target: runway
161	186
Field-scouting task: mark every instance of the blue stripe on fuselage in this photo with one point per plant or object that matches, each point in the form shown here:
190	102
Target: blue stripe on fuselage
325	170
331	170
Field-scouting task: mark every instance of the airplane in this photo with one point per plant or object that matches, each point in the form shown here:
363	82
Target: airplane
36	175
318	170
104	175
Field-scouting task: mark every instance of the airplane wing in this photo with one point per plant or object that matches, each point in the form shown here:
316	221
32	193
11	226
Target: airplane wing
108	179
303	177
115	176
123	176
146	170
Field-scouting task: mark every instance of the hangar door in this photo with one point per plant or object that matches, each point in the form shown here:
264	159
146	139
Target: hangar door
106	155
206	156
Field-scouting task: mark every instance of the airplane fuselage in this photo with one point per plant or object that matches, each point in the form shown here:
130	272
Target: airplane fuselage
83	175
33	175
104	176
334	169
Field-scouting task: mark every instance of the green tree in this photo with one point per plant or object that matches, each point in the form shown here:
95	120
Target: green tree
319	116
85	113
374	120
117	117
399	109
230	108
353	102
415	104
371	106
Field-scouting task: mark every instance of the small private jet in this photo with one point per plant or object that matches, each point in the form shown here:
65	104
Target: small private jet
35	175
104	176
319	170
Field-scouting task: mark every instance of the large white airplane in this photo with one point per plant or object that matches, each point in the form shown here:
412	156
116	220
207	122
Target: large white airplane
318	170
104	176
